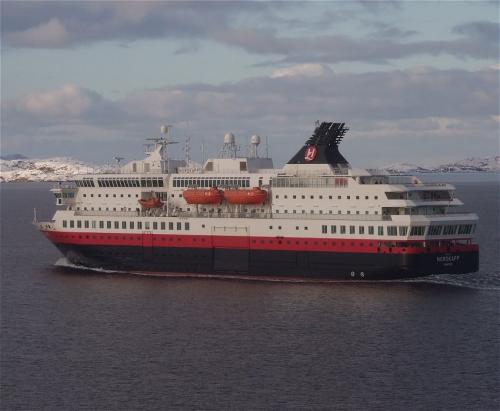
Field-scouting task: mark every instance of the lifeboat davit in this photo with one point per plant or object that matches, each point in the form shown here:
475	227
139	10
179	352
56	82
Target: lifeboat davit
253	196
203	195
151	203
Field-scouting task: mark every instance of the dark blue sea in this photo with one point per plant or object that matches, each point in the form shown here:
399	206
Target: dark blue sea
85	340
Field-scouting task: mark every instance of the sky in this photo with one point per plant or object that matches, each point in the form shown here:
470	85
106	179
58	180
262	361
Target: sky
415	81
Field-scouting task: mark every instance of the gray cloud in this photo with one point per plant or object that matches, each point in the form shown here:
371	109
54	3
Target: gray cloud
434	108
250	26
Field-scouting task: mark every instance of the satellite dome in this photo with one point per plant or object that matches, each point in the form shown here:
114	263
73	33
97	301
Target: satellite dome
255	139
229	138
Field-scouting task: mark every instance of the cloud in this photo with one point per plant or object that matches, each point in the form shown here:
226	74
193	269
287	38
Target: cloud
401	108
310	70
50	34
249	26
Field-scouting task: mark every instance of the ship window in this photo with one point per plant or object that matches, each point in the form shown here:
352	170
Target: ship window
155	182
420	230
371	231
380	230
286	196
320	197
306	228
303	197
139	225
94	224
312	197
85	195
464	229
449	229
65	223
186	226
294	196
155	225
392	230
357	212
277	196
348	212
270	227
146	225
357	197
162	225
296	227
435	230
333	229
108	224
324	229
86	224
339	197
101	224
342	229
352	229
348	197
131	225
179	226
124	225
170	226
376	212
403	230
117	224
71	224
361	229
376	197
366	197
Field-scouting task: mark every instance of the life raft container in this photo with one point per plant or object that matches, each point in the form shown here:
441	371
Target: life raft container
151	203
203	195
253	196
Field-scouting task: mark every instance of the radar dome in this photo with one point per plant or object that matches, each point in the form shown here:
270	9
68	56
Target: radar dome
255	139
229	138
164	129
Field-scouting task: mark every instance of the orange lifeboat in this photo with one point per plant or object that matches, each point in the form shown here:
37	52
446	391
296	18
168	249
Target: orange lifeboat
203	195
252	196
151	203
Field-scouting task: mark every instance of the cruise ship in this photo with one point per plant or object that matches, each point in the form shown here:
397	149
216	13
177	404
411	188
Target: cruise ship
237	215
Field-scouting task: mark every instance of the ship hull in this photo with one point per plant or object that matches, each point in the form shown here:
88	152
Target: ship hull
247	262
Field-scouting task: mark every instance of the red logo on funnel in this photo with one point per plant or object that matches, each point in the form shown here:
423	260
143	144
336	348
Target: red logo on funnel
310	153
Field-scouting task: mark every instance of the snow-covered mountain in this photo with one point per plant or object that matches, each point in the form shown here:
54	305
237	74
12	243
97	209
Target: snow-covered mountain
64	168
471	164
50	169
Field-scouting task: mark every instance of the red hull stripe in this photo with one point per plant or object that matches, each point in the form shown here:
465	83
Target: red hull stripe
341	245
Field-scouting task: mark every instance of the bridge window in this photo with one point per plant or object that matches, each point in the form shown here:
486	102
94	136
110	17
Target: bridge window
403	230
418	230
450	229
392	230
435	230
